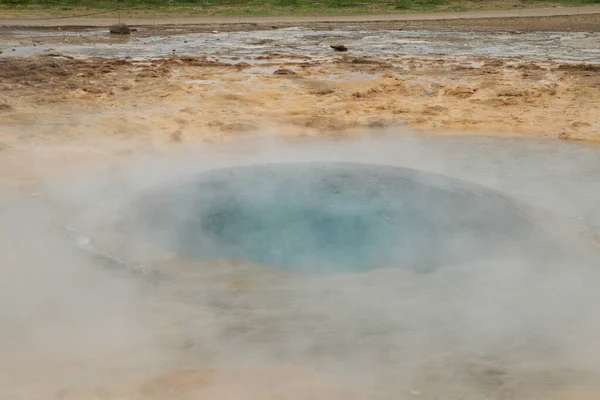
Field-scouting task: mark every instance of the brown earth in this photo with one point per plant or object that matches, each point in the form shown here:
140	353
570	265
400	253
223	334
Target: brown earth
488	15
187	98
558	23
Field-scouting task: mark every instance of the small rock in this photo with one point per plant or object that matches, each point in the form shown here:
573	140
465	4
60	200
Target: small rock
339	47
133	29
284	71
14	49
215	31
119	29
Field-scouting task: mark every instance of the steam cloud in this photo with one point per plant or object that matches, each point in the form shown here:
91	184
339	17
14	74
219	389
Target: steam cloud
90	306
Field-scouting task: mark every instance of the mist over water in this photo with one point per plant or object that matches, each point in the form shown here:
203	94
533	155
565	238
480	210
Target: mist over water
518	322
331	217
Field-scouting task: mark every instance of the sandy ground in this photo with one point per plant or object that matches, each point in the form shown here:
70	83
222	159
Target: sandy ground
75	95
44	17
184	98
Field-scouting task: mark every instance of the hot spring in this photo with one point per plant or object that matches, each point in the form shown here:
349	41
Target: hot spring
330	217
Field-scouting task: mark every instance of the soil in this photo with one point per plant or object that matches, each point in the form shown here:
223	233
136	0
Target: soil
59	98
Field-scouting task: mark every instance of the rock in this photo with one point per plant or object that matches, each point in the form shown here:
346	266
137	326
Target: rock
119	29
339	47
284	71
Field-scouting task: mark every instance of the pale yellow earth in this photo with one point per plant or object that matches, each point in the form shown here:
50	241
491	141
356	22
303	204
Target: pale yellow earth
52	99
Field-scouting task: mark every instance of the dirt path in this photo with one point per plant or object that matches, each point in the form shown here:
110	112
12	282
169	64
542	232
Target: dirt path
109	17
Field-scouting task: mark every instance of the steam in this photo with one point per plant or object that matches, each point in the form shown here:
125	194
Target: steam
83	305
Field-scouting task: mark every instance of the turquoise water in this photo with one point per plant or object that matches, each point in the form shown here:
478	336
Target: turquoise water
331	217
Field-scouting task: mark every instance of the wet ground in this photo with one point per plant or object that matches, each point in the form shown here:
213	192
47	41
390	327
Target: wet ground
151	43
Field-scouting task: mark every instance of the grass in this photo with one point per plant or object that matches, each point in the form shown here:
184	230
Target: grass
272	7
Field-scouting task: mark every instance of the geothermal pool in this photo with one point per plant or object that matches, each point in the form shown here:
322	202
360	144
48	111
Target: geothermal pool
330	217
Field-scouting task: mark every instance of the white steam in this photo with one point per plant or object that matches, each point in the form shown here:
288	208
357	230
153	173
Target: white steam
111	312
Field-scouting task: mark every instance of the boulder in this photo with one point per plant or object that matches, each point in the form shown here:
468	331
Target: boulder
119	29
339	47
